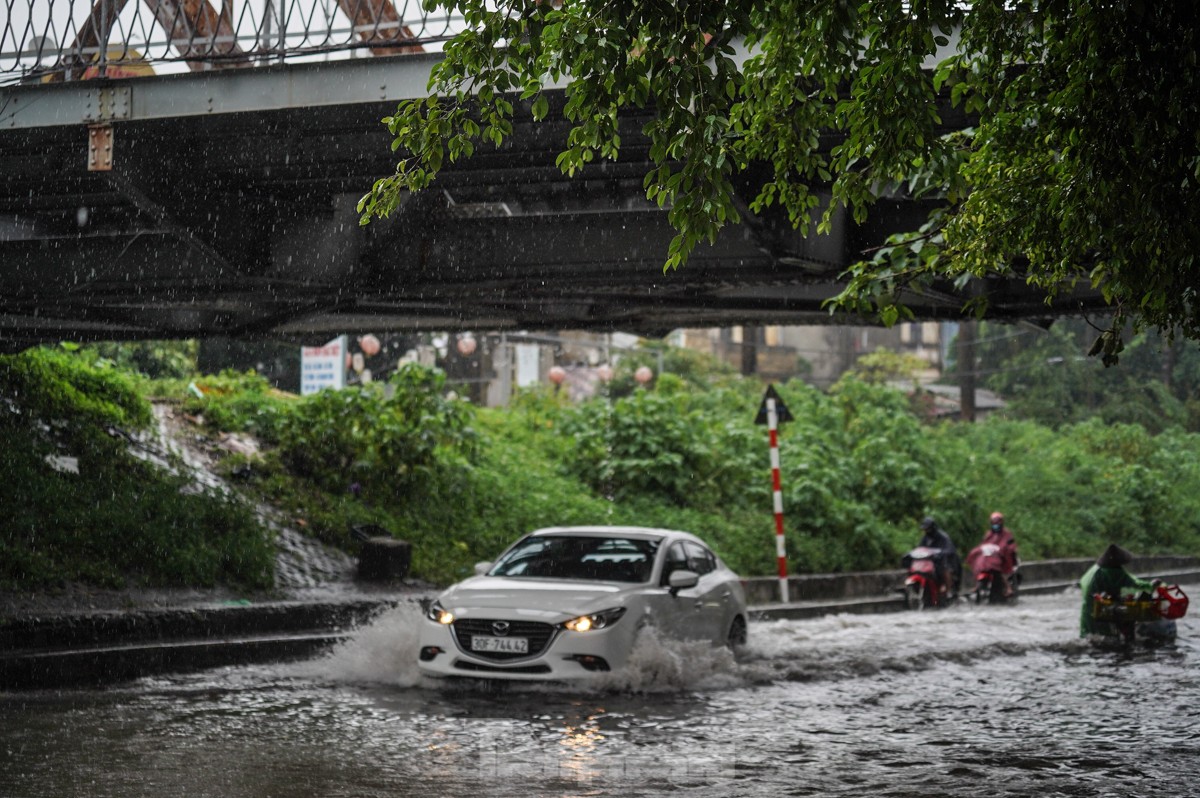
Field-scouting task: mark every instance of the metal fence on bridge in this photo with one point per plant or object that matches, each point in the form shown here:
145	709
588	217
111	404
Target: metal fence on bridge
59	40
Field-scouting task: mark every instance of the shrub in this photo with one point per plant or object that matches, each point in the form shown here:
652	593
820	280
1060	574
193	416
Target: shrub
120	518
859	470
385	440
238	402
73	396
657	444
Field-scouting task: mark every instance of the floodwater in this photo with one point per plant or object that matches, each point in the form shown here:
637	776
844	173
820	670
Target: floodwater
969	701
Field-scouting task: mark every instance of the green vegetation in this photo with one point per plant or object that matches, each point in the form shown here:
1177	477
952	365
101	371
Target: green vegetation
121	518
1048	379
860	468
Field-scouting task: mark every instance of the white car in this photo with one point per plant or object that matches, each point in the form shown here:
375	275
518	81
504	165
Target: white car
567	603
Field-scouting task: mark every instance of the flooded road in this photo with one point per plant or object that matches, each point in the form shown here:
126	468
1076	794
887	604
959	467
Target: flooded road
970	701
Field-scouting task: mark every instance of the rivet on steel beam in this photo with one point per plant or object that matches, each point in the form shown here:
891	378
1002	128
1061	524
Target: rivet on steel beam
100	148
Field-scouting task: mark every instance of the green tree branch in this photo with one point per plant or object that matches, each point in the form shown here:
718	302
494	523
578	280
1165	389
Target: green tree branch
1081	163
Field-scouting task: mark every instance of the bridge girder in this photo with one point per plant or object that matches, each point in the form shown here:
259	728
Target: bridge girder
229	210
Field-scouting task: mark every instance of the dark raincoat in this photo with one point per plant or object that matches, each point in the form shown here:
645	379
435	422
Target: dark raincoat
946	561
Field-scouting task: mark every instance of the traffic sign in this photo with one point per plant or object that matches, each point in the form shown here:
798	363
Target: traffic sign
782	414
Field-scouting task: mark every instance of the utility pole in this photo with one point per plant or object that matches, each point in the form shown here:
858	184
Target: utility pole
966	369
749	351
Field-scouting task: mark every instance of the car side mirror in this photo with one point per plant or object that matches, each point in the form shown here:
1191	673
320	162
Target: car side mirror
482	568
679	580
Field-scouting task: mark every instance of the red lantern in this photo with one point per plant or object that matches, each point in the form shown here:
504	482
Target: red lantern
466	345
369	345
557	375
643	375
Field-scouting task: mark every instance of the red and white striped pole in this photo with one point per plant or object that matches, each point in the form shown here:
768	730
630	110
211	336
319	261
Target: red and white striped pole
776	484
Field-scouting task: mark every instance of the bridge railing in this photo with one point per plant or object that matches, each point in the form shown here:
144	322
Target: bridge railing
60	40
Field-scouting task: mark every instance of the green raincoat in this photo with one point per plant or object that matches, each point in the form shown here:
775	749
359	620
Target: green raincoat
1116	582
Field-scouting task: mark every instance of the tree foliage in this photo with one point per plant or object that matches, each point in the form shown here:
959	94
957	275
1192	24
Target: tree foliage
1045	376
1078	160
154	359
883	366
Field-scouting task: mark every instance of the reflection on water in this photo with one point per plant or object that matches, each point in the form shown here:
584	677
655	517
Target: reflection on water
972	701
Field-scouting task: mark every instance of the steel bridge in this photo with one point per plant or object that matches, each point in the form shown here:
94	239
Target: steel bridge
173	169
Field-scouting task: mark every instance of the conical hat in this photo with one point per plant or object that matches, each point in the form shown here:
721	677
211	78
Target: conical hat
1114	556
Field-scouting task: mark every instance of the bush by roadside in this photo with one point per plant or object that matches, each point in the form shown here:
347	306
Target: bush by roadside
860	469
79	505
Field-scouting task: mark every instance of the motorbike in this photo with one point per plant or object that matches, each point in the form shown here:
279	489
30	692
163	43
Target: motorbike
1149	616
921	586
986	562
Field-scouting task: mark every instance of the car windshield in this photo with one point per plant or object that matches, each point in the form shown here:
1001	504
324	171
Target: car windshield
605	559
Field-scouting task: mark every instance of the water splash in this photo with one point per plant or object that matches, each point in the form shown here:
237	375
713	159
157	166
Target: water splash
383	651
849	646
660	664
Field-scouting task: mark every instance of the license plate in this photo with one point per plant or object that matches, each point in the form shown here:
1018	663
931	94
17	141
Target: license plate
500	645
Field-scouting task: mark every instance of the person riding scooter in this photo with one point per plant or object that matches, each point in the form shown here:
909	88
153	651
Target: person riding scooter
946	564
998	535
1108	578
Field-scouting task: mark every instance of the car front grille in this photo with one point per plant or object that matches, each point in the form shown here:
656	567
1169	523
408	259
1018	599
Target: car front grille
539	635
475	667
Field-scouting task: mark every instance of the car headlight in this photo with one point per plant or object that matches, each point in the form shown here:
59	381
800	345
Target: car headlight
597	620
439	614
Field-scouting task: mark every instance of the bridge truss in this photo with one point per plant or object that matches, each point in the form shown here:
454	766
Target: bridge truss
61	40
219	200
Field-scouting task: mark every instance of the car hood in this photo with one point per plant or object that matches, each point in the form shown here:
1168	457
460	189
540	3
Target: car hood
533	599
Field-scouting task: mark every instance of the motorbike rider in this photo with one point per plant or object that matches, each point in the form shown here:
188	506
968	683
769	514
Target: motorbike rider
1108	575
946	564
999	536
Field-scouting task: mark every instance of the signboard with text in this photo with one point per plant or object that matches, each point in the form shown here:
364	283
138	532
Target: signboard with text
528	364
323	366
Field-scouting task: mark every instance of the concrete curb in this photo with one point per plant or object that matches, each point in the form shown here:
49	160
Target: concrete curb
878	584
208	621
106	647
107	665
881	604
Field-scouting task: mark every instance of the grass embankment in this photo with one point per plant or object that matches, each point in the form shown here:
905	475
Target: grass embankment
110	518
860	468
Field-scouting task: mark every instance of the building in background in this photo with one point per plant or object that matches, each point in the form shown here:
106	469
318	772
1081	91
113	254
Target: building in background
819	354
489	368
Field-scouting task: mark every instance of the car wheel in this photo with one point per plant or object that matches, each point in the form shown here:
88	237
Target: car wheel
737	633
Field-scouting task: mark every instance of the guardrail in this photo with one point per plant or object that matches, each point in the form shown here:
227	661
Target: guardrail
59	40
